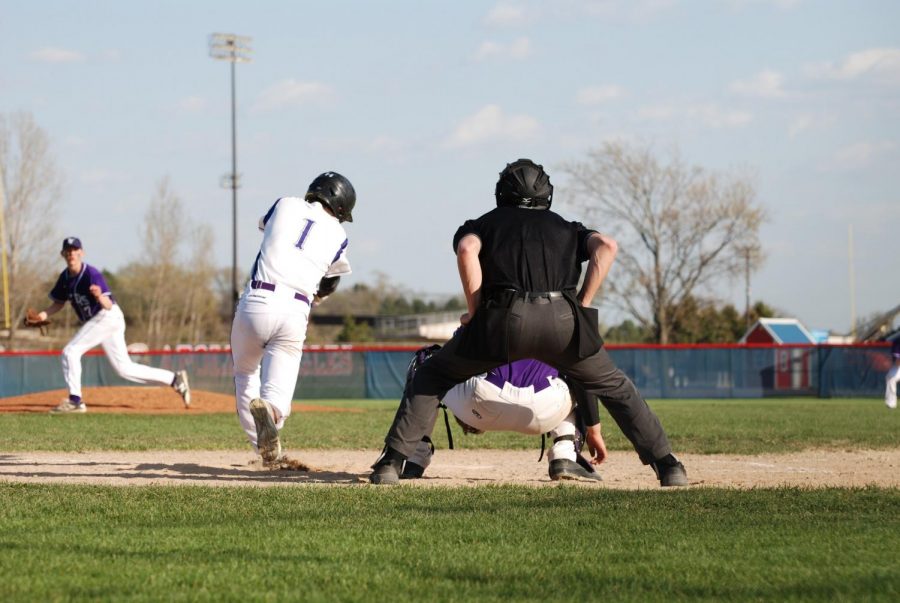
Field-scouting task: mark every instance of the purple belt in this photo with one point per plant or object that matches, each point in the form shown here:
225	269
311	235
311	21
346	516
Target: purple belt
271	287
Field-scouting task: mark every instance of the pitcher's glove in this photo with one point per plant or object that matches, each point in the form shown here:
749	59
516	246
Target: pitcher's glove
33	319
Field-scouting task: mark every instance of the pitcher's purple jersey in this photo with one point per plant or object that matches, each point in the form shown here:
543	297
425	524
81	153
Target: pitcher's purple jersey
523	373
76	289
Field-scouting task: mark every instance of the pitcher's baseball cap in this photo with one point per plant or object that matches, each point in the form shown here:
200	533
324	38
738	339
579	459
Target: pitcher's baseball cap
71	243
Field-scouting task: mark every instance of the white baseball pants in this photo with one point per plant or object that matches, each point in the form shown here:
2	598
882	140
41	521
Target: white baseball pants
487	407
890	392
107	329
266	346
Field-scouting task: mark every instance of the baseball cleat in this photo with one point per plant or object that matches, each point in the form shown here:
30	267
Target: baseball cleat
670	472
267	441
68	407
182	386
564	469
672	475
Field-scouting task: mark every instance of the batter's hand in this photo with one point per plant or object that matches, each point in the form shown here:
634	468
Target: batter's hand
597	447
96	291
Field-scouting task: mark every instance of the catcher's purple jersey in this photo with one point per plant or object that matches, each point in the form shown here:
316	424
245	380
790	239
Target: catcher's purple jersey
523	373
76	289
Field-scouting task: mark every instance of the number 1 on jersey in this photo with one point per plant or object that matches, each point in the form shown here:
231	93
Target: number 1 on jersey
306	229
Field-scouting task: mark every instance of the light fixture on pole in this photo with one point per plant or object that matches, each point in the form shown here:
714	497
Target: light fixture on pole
234	49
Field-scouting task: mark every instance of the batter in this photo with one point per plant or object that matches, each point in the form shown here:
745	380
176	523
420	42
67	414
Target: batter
301	259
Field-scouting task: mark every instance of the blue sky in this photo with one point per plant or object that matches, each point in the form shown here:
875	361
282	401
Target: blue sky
421	104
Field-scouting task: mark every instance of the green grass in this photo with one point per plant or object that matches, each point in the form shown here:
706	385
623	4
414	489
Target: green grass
694	426
411	544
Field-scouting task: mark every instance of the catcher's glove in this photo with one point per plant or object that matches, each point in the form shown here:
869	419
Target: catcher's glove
33	319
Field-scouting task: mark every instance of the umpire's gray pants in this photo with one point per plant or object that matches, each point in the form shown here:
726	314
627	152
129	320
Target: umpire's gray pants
543	329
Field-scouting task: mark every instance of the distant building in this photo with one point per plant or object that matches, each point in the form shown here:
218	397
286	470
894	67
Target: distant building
792	369
778	331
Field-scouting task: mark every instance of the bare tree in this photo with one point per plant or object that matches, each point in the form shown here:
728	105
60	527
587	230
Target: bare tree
679	228
32	183
161	238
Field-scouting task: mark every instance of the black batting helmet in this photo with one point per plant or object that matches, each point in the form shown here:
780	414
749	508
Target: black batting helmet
524	184
334	192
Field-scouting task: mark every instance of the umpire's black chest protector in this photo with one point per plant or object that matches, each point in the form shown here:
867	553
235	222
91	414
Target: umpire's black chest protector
533	251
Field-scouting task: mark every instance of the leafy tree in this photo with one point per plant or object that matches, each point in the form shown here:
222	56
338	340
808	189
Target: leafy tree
355	332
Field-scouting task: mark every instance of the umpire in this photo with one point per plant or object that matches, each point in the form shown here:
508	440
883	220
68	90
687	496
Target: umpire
519	265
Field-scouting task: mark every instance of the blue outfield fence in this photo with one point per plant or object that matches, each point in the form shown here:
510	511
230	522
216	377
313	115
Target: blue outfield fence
379	372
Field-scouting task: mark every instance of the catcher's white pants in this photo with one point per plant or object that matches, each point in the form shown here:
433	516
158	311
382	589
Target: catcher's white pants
266	346
486	407
107	328
890	392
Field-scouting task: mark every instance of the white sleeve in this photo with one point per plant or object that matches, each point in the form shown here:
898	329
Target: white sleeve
341	264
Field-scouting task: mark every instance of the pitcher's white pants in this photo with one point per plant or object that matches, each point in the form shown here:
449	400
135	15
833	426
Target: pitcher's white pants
107	328
486	407
266	346
890	392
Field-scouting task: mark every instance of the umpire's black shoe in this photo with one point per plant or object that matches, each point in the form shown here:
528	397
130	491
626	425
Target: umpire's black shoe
412	471
564	469
670	472
386	472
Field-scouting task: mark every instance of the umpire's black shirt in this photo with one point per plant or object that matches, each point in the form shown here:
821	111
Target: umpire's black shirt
531	250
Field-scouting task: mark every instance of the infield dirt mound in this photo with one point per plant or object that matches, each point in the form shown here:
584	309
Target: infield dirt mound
135	399
623	470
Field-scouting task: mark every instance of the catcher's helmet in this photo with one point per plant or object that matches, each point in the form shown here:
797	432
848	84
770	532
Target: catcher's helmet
524	184
334	192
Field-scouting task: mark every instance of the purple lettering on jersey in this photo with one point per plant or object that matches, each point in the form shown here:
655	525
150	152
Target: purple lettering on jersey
77	290
340	251
523	373
306	229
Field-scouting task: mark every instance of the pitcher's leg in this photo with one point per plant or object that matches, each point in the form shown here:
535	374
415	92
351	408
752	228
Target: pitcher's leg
117	352
890	391
91	334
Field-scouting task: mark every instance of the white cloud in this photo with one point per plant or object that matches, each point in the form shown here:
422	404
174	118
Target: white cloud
859	155
291	93
516	50
192	104
808	121
883	63
709	114
656	112
56	55
765	84
716	117
491	124
506	14
594	95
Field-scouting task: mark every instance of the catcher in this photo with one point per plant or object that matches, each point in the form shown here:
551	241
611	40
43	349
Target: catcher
525	396
102	324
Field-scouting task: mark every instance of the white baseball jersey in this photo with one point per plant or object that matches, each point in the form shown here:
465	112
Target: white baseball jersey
302	243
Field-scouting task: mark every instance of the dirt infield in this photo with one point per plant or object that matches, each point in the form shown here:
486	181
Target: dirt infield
143	400
450	468
623	470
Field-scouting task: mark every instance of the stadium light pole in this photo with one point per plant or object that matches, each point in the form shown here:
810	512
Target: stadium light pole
234	49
